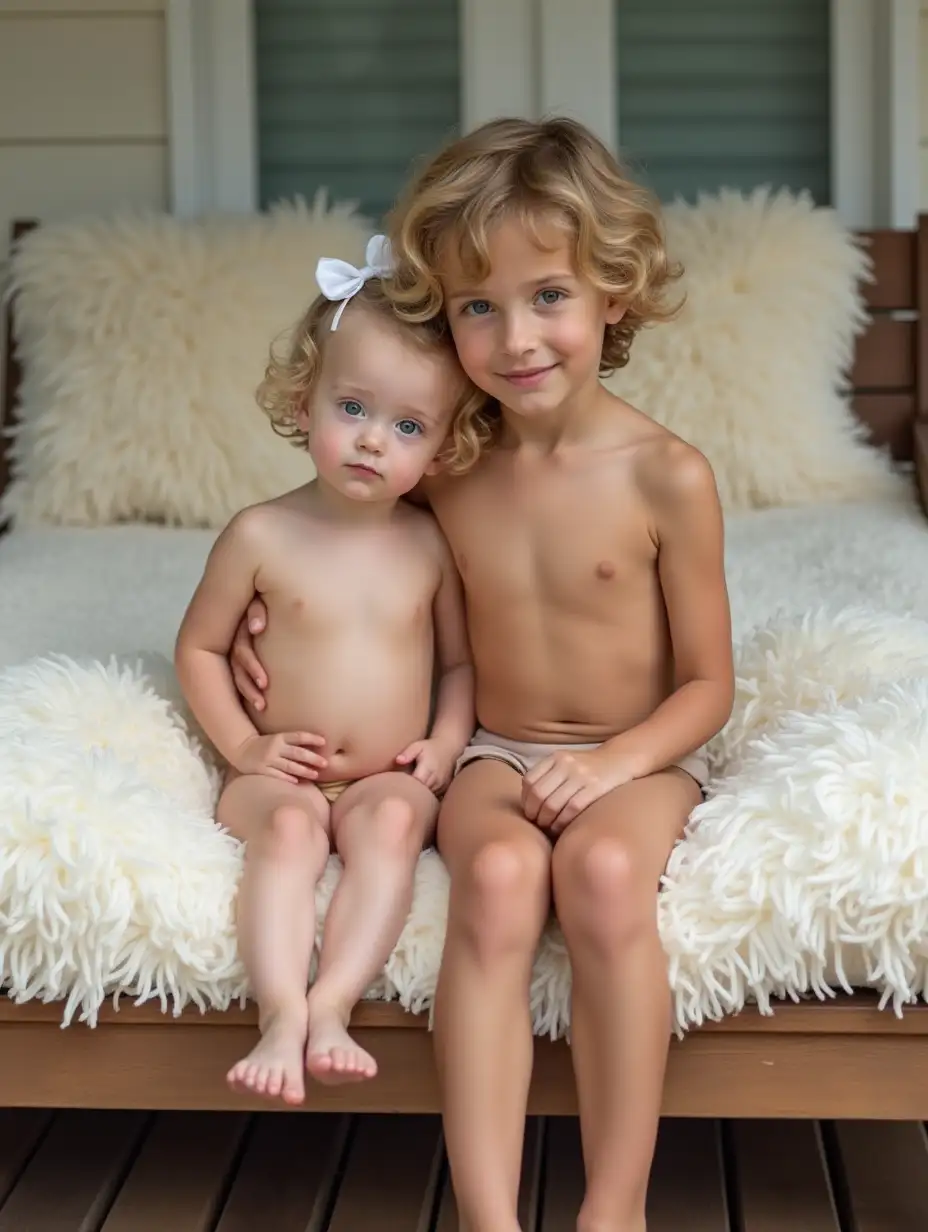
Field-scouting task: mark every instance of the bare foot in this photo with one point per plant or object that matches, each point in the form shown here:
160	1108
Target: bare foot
274	1067
331	1054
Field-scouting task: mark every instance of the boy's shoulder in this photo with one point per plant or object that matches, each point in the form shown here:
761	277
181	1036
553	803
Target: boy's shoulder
675	479
665	466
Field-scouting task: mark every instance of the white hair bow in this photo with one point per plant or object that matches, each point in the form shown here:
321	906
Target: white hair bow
340	280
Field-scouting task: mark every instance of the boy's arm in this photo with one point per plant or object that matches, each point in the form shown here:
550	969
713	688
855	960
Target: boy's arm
454	711
691	565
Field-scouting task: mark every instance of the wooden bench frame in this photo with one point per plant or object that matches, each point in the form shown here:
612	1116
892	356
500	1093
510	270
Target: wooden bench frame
843	1059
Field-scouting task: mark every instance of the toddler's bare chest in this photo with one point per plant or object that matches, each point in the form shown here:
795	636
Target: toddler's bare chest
339	586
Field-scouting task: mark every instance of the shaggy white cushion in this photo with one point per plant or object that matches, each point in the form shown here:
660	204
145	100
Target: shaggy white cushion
808	864
751	370
144	338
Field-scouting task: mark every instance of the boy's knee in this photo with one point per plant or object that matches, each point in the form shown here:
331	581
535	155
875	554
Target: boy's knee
599	892
505	893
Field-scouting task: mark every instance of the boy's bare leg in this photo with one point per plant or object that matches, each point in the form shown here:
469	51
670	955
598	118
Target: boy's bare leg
500	868
606	869
286	829
379	827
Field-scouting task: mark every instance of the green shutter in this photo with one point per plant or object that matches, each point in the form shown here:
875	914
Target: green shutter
352	93
725	93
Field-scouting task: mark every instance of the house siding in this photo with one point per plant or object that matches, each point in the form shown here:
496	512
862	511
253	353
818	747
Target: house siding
923	107
83	115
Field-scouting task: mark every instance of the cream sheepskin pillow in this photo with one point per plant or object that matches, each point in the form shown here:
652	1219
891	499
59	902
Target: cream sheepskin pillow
751	370
143	339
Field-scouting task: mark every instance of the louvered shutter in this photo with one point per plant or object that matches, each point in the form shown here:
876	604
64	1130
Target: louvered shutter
732	93
352	93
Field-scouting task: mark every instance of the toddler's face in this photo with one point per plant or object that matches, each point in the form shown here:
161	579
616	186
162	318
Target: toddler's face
380	410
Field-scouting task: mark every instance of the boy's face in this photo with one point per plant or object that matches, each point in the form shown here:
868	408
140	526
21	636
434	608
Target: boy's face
380	410
531	333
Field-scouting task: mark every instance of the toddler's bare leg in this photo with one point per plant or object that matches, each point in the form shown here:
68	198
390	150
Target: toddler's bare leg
606	870
500	868
285	827
379	827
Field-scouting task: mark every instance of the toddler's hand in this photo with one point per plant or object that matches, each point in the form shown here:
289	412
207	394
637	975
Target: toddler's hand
284	755
561	786
434	763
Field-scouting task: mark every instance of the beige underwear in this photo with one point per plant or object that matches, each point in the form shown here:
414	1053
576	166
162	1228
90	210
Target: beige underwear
333	790
522	755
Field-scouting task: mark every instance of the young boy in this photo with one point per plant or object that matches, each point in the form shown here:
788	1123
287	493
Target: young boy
360	589
590	544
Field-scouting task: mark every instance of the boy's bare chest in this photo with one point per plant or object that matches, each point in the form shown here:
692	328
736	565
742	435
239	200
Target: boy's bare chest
572	544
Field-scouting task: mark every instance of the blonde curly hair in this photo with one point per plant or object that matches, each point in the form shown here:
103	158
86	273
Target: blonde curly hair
294	367
534	172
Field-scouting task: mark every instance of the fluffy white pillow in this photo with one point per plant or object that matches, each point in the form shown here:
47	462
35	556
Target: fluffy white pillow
143	338
751	370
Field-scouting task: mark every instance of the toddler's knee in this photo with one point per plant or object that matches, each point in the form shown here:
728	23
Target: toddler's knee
292	833
394	824
506	893
599	891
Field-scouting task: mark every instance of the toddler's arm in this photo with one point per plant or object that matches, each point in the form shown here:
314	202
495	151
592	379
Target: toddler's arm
228	584
454	712
453	725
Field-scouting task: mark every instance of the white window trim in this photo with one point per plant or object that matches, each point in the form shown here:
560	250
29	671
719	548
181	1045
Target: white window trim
875	111
537	57
211	106
498	60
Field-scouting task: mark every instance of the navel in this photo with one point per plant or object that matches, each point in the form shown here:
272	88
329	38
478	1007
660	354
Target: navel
605	570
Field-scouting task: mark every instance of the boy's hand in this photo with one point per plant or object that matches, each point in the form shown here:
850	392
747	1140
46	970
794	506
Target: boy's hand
434	762
247	672
561	786
284	755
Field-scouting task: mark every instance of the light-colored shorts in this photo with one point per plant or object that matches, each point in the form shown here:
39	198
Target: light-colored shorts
523	755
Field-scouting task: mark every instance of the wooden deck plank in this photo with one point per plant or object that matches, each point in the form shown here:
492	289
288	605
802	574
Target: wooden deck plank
530	1185
564	1178
687	1187
532	1177
392	1176
782	1177
19	1138
287	1174
181	1174
886	1174
70	1182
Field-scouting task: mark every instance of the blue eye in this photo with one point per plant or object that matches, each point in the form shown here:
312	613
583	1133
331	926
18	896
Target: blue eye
550	296
477	308
352	408
408	427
